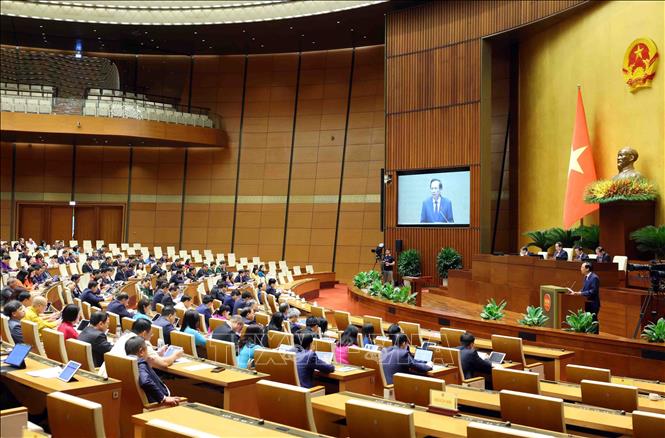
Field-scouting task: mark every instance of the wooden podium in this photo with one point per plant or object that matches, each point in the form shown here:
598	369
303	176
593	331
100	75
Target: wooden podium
556	304
417	284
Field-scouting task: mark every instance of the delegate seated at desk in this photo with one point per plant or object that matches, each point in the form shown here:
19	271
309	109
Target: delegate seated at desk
472	363
559	252
580	255
398	359
95	335
307	361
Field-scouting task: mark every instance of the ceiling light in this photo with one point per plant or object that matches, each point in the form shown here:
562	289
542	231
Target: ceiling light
338	21
203	41
351	29
196	33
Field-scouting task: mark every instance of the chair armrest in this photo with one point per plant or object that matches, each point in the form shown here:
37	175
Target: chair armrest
156	406
317	391
474	382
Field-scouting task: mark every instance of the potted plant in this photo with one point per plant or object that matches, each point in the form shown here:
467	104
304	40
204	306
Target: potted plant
566	237
589	236
534	317
581	322
650	239
447	259
655	332
363	279
540	239
408	264
493	311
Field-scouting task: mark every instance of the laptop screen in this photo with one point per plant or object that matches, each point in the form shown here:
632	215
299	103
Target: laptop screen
423	355
83	324
69	371
17	355
496	357
325	356
172	349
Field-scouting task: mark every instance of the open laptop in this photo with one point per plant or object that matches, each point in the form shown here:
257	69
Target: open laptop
68	371
325	356
496	357
16	358
423	355
82	324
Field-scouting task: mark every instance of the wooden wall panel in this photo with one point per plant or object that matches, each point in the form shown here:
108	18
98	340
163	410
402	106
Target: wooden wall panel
433	111
5	189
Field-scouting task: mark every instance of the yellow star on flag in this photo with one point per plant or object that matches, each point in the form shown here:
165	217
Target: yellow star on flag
574	163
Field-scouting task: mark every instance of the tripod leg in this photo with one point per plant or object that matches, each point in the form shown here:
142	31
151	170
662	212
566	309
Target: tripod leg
643	311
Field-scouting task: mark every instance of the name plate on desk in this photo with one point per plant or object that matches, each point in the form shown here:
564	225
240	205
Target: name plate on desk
441	402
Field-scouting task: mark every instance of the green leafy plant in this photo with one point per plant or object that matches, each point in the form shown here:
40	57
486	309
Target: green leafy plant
655	332
408	264
388	291
650	239
534	317
581	322
566	237
447	259
492	310
375	288
363	279
540	239
589	236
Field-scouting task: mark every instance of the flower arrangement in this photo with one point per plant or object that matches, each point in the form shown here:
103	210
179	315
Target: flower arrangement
625	189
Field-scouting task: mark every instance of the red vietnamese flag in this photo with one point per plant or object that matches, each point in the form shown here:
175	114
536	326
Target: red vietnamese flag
581	170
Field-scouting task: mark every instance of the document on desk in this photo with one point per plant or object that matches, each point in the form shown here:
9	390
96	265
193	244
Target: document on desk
345	368
182	360
47	373
199	367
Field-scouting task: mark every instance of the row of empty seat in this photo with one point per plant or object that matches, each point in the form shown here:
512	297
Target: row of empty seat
26	98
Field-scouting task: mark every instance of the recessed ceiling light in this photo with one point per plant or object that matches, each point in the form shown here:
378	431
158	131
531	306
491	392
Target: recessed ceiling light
291	27
351	29
157	47
253	39
145	33
243	31
41	27
210	47
196	33
338	21
94	30
302	34
203	41
152	41
313	42
262	45
365	36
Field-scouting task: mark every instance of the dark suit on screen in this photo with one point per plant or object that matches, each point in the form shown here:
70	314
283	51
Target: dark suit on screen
444	213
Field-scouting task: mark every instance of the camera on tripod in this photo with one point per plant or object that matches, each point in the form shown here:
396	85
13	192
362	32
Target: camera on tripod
656	272
378	252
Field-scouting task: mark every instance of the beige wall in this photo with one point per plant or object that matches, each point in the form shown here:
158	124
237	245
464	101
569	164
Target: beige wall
587	49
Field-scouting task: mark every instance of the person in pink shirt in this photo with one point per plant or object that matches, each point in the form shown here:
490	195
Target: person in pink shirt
70	318
349	337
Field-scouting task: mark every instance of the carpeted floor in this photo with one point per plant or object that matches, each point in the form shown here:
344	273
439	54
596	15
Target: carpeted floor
337	298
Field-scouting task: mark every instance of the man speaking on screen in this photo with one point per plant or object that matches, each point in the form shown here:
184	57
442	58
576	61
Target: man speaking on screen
437	208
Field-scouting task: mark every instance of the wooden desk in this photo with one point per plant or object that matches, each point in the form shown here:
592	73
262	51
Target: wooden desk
216	421
32	391
644	386
357	380
605	420
572	392
238	385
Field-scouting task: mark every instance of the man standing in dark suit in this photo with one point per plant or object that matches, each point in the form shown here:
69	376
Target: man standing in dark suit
437	208
590	291
559	252
229	332
398	359
472	363
95	335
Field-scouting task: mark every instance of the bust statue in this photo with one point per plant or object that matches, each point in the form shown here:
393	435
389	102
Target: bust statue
626	157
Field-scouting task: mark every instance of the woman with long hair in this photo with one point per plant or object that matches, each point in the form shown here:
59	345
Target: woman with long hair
249	342
190	325
349	337
143	310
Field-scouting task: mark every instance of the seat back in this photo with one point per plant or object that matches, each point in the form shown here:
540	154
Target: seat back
366	419
323	345
280	365
54	345
412	331
609	395
376	322
86	309
647	424
221	351
68	413
5	333
453	354
451	337
125	369
80	352
519	408
215	322
288	399
31	337
515	380
275	338
13	421
156	333
272	303
342	319
370	360
126	324
114	321
163	429
510	345
577	373
318	311
410	388
262	318
184	341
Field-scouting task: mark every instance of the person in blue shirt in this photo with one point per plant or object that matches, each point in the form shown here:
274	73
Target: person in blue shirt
159	295
307	361
119	305
398	359
143	310
190	325
249	342
166	321
242	302
153	387
368	334
91	295
206	308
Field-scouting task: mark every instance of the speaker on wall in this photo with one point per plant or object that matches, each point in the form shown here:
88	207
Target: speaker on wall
398	245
